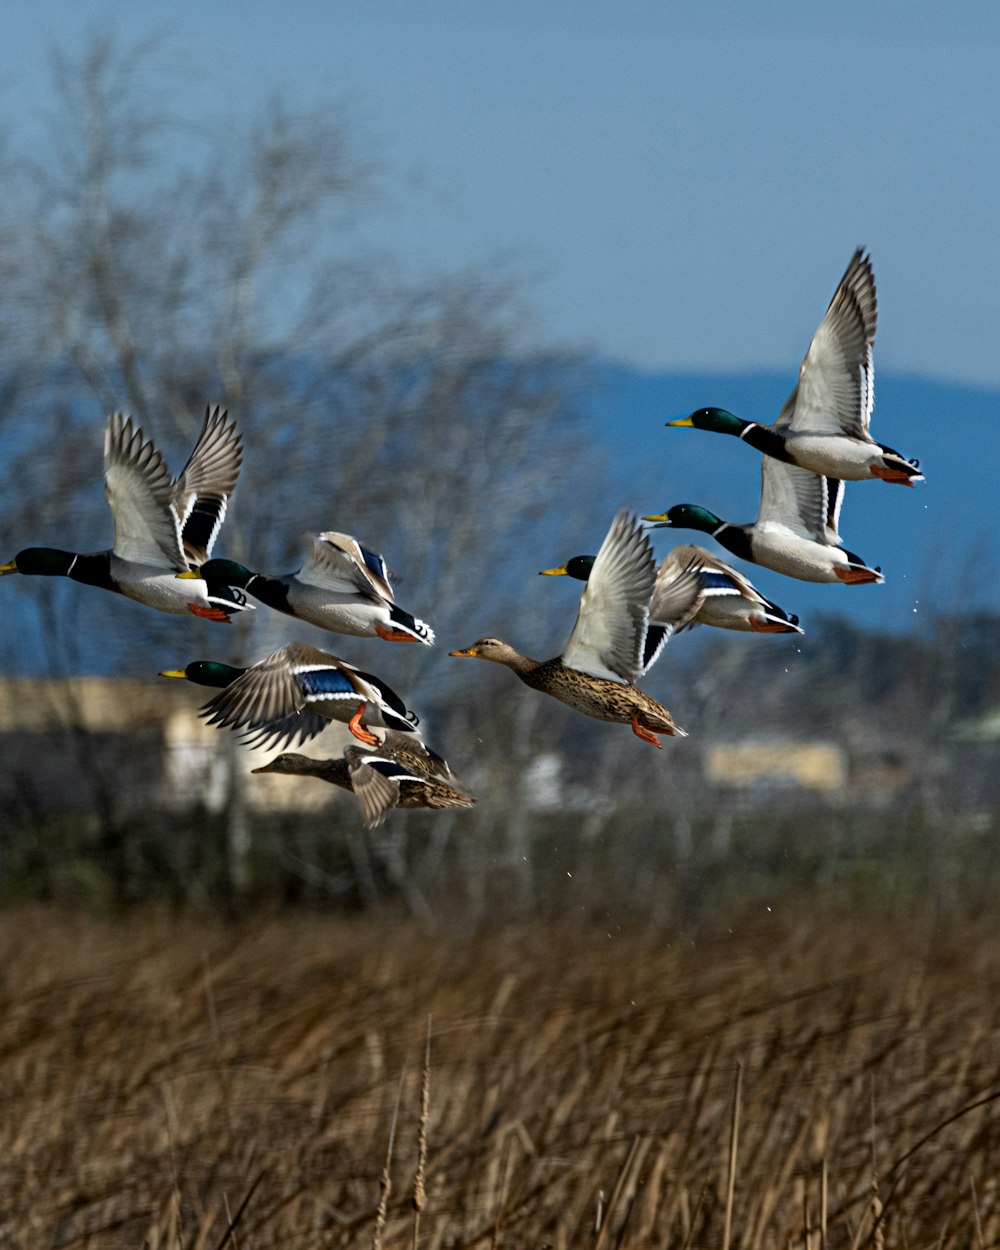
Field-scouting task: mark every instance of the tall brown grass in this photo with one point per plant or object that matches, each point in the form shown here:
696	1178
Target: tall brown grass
806	1080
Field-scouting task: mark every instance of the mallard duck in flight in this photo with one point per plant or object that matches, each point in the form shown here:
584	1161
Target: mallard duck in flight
795	532
597	670
725	599
342	586
398	772
293	693
824	425
162	526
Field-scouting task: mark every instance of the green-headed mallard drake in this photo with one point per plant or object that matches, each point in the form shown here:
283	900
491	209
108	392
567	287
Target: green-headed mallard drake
795	532
291	695
725	599
162	526
342	586
824	425
398	772
597	670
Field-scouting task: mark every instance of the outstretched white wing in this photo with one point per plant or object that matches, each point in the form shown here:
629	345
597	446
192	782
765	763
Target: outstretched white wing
836	388
139	490
799	501
607	639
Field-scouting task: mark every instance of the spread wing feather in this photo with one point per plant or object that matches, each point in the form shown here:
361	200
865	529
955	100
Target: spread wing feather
270	701
376	793
677	596
293	694
139	490
719	578
201	493
835	391
338	562
610	630
798	501
677	591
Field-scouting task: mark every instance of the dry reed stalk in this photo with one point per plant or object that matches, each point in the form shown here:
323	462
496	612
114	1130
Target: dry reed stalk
213	1021
693	1218
176	1219
163	1232
696	1097
229	1220
502	1196
204	1232
420	1177
771	1192
492	1173
563	1109
806	1220
652	1197
876	1207
684	1209
679	1205
95	1033
385	1180
878	1228
623	1191
232	1220
824	1202
524	1137
991	1225
975	1212
734	1138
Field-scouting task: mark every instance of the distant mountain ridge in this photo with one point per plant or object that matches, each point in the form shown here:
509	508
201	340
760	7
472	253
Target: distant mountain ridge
938	543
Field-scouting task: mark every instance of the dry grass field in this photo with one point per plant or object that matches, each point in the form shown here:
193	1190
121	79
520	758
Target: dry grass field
788	1080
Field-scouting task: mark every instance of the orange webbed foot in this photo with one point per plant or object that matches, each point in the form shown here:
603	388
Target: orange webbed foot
393	635
360	732
761	626
896	476
856	577
210	614
645	734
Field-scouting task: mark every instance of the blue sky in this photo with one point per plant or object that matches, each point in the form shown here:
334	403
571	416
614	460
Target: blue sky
685	182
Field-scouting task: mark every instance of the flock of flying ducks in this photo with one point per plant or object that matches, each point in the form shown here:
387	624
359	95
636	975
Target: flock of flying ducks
165	530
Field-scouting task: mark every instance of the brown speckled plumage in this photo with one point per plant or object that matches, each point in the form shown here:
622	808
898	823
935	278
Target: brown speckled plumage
432	786
593	696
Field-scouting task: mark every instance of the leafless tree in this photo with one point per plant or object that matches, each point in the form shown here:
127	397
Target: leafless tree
154	267
156	271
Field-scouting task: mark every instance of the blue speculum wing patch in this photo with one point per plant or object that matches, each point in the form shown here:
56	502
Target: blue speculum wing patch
716	582
328	681
374	562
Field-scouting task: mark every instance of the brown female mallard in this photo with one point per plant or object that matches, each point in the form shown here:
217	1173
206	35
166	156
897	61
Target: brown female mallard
396	773
597	670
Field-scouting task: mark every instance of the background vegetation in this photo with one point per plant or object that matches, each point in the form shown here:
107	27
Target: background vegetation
623	1002
155	268
796	1076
